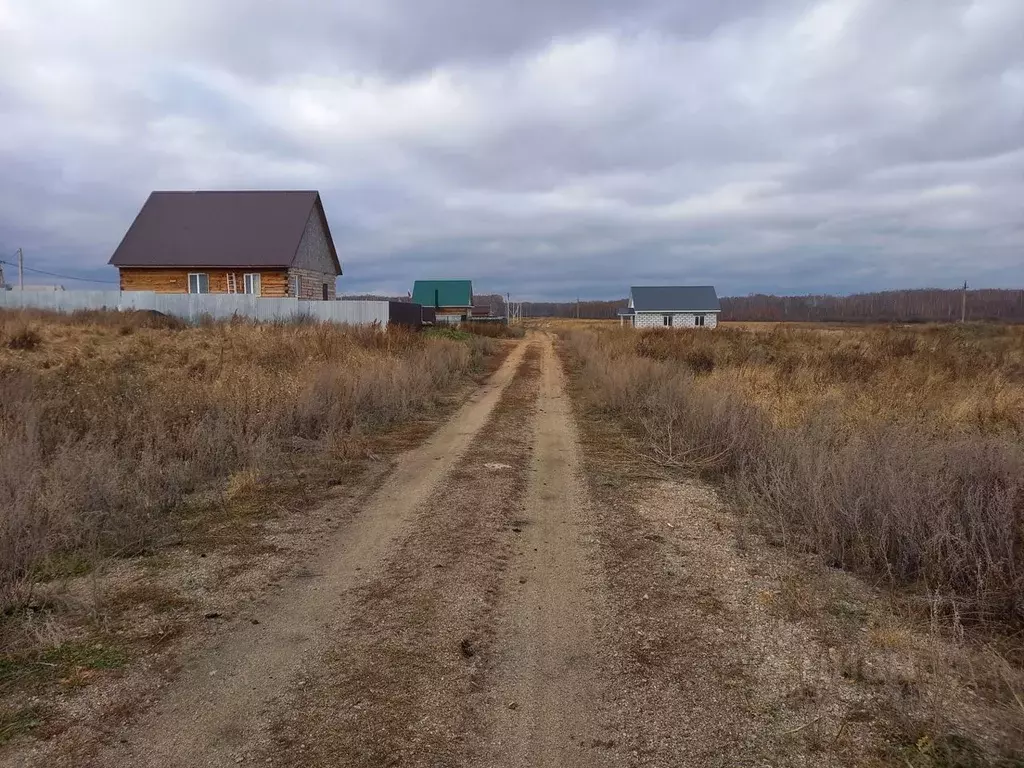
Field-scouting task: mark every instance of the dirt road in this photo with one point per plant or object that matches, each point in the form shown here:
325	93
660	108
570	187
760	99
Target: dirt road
510	597
548	664
454	620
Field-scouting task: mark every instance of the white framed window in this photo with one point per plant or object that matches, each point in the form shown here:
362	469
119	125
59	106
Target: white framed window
297	286
251	282
698	320
666	320
198	282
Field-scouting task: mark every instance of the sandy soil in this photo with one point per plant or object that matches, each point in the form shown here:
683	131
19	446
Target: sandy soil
548	702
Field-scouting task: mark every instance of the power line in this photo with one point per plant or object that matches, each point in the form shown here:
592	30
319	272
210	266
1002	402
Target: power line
64	277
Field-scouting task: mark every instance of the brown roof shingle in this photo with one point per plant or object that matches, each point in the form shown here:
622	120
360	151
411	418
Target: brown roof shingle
220	229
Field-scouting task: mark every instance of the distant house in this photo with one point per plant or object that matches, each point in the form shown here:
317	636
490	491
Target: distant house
273	244
671	306
451	300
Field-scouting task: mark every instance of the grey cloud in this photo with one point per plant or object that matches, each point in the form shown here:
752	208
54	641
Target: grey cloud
402	38
540	148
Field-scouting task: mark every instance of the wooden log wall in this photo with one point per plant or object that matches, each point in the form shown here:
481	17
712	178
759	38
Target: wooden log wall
273	282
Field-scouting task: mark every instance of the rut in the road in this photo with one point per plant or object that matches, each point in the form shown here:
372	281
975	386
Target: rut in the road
395	686
216	711
548	696
477	645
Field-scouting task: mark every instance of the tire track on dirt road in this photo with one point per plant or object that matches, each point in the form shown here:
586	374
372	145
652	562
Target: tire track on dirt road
217	709
548	703
396	684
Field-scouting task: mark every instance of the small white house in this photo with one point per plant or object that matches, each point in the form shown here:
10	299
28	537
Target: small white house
671	306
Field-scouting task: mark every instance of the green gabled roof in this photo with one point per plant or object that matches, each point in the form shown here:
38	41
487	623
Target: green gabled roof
443	293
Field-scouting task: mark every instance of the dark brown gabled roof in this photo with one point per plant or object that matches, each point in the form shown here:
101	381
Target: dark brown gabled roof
220	229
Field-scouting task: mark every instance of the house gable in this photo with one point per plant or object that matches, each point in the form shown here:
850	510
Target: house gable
316	250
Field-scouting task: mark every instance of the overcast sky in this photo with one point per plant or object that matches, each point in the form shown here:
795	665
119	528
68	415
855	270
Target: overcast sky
547	148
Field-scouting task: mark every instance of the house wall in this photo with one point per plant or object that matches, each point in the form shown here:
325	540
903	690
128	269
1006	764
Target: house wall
451	314
311	283
273	282
314	252
679	319
314	265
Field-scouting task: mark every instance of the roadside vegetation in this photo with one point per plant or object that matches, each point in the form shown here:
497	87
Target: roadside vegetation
110	423
894	453
890	454
154	475
464	331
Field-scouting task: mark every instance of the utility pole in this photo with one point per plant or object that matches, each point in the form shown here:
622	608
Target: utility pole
21	269
963	304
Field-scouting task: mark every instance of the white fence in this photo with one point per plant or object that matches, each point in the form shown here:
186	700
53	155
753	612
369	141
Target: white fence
193	307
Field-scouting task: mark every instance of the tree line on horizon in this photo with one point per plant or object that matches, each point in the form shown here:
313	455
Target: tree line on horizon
901	306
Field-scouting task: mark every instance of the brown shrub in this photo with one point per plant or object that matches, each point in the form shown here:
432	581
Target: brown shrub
23	337
900	499
103	435
125	321
494	330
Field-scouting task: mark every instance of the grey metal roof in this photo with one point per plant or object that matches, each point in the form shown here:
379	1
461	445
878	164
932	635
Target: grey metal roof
626	311
220	229
681	298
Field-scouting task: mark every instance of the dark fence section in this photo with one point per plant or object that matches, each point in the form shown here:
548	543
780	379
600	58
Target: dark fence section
404	313
429	315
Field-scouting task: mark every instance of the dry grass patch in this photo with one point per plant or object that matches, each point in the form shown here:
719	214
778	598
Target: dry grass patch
920	662
869	447
144	465
109	422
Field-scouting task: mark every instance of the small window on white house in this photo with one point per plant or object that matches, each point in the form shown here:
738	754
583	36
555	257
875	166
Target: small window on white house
198	282
698	320
666	320
297	286
252	283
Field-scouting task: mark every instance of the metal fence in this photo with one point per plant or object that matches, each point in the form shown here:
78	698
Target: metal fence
194	307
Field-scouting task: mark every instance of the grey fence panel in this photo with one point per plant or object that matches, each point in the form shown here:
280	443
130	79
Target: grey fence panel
193	307
351	312
143	300
61	301
277	309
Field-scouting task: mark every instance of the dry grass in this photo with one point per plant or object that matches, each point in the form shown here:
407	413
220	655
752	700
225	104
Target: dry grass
110	422
494	330
895	453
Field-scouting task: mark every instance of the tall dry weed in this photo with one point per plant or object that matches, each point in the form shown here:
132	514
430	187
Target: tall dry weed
104	433
910	498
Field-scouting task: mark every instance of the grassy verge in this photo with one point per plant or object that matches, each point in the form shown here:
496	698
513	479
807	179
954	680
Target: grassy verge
879	458
466	331
143	464
862	675
107	425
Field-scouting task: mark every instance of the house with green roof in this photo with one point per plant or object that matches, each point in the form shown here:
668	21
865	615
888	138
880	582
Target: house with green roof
451	300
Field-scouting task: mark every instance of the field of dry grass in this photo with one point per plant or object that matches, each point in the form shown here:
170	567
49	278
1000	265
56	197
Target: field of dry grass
112	424
153	474
896	453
